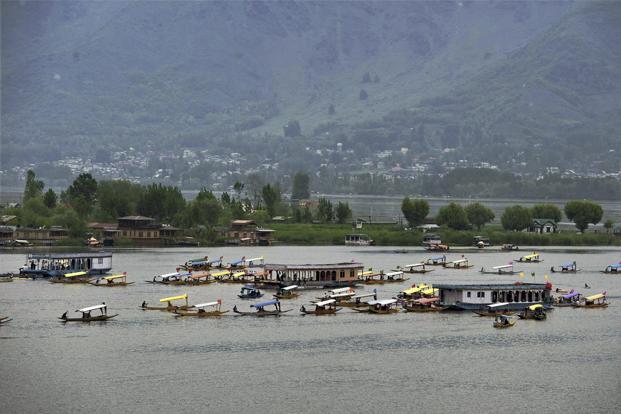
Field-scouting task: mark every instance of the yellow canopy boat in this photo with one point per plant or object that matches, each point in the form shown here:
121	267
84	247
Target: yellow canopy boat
169	307
114	280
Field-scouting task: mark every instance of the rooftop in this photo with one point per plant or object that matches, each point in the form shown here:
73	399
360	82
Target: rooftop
490	286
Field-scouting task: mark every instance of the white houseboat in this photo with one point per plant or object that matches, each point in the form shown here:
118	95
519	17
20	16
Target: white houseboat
358	240
313	275
57	264
480	296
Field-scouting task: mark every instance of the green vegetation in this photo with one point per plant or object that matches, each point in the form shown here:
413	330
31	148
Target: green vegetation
583	212
453	216
301	186
516	218
415	211
479	215
343	213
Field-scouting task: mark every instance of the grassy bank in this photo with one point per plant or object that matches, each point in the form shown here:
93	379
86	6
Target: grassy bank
392	235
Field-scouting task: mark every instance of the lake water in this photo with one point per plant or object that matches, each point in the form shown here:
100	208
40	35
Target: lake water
152	362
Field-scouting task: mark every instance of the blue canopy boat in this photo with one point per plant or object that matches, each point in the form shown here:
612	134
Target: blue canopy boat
569	299
260	309
613	268
566	268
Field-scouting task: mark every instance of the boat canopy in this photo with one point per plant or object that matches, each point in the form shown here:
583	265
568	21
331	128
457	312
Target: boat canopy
507	266
438	258
427	301
263	304
203	305
566	265
535	306
249	287
389	274
91	308
342	295
238	262
531	256
415	265
459	261
615	266
414	290
171	298
365	273
364	295
324	303
218	274
200	275
498	305
114	277
255	259
288	288
238	274
341	290
429	291
595	297
383	302
571	295
76	274
169	275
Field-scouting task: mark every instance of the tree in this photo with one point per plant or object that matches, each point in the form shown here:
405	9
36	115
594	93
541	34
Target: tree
161	202
516	218
608	225
238	187
453	216
81	194
414	211
363	95
292	129
583	212
271	198
301	183
343	213
547	211
33	187
50	198
118	198
325	212
478	214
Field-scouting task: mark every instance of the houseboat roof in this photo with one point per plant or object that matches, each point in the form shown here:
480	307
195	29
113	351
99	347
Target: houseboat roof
491	286
383	302
390	274
52	256
346	265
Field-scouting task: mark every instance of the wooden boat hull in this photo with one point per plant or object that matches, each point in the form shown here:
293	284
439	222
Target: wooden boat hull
250	297
70	282
281	297
540	317
200	314
486	272
563	271
492	314
175	283
165	308
413	271
381	282
4	319
593	306
500	325
425	308
112	284
458	267
261	313
377	312
100	318
528	261
319	312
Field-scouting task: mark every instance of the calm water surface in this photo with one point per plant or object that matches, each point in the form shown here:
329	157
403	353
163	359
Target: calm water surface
151	362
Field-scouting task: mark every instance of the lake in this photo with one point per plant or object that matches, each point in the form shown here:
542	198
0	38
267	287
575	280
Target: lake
152	362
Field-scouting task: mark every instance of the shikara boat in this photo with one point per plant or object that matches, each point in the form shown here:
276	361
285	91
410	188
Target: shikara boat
530	258
613	268
424	305
495	309
86	314
6	277
199	278
339	294
244	263
381	307
174	278
203	310
260	309
436	261
4	319
536	312
287	292
503	321
249	292
112	281
500	270
381	278
433	247
566	268
201	264
594	301
236	277
326	307
569	299
458	264
75	277
357	301
507	247
413	268
169	304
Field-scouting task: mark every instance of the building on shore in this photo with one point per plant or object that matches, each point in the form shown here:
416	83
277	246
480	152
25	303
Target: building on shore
54	233
247	233
140	229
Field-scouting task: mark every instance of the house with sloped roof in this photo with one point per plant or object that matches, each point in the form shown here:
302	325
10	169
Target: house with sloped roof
543	226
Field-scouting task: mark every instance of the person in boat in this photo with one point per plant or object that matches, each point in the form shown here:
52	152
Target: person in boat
587	286
144	304
154	278
109	281
303	309
235	308
104	309
64	316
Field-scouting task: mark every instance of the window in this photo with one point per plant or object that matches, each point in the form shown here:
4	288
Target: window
468	294
139	234
124	233
100	260
342	274
351	273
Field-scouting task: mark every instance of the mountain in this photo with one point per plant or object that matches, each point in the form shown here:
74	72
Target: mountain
531	82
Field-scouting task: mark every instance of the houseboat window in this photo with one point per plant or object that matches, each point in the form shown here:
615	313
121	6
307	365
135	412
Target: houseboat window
536	296
351	273
502	296
317	275
516	296
509	296
139	234
494	297
100	260
342	274
468	294
334	275
530	296
523	296
323	275
124	233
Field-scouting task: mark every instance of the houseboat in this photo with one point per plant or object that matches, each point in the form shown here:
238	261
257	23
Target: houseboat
358	240
479	296
565	268
313	275
57	264
431	239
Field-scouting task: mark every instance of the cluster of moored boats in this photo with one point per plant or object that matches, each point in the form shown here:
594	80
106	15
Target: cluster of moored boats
502	301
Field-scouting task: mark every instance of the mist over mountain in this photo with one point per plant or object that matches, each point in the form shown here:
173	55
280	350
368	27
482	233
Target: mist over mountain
522	85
